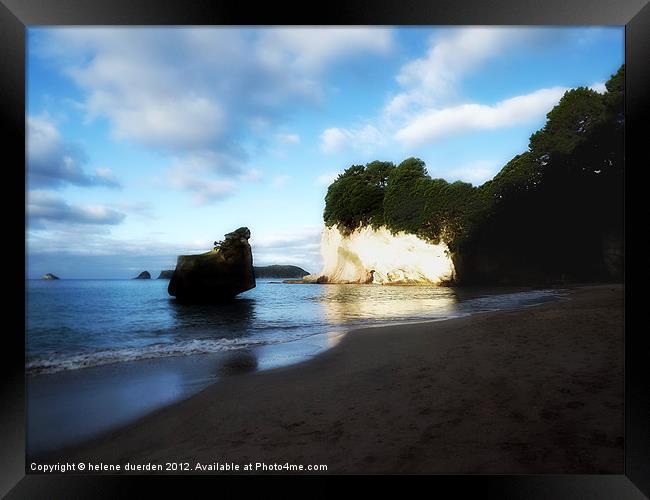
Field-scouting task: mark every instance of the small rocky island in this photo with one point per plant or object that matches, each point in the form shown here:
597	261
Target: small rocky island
50	277
217	275
144	275
165	274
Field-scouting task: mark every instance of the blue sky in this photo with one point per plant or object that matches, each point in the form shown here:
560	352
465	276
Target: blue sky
146	143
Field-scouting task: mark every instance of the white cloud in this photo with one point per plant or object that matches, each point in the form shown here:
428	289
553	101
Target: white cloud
178	123
142	209
336	140
333	140
327	178
309	50
107	176
451	56
208	161
205	191
429	103
278	239
289	138
598	87
252	175
195	92
80	240
280	181
476	172
53	162
433	124
298	246
43	138
44	209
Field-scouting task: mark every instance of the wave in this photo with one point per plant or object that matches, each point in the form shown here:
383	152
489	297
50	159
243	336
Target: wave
57	363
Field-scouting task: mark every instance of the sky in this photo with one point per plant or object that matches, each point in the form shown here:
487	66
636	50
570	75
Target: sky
146	143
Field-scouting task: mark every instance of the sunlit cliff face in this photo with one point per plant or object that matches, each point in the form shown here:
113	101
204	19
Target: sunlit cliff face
376	256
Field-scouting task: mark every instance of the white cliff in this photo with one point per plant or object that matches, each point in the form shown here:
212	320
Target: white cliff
376	256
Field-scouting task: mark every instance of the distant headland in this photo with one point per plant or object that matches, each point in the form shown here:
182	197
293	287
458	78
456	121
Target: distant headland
279	271
272	271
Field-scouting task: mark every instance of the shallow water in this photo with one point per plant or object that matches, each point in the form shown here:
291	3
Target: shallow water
103	353
80	323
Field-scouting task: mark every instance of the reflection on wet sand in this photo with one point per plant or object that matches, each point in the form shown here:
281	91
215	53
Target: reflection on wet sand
332	338
346	303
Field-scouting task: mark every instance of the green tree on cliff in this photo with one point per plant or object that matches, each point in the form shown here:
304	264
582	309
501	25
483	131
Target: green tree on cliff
406	195
356	197
568	123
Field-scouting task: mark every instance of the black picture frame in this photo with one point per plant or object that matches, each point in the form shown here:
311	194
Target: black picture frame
17	15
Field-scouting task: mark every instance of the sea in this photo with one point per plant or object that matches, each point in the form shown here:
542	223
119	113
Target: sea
102	353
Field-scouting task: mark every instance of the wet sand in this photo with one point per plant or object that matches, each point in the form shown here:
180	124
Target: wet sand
536	390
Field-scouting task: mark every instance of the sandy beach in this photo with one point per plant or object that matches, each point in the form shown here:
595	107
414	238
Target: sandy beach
535	390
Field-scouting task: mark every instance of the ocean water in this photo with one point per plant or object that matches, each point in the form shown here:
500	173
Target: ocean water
102	353
74	324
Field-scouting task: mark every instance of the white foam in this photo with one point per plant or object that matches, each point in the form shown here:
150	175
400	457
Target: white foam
56	363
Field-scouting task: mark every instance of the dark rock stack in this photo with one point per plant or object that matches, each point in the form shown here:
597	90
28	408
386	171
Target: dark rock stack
217	275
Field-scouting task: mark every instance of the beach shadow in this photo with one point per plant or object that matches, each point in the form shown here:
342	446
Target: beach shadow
239	362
